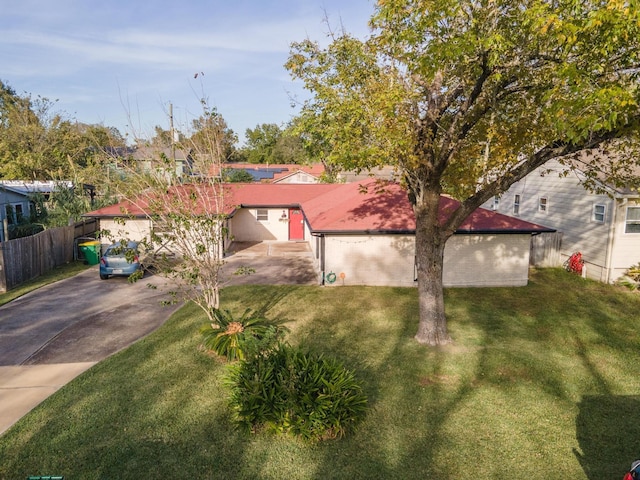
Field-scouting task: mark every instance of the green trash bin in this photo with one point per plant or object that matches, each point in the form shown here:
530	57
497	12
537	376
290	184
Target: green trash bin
91	252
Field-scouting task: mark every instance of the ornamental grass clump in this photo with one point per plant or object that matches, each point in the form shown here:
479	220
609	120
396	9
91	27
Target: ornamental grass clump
286	390
631	278
229	337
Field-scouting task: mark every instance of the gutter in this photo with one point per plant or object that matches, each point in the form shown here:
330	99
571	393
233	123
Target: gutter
363	232
139	215
612	230
261	205
413	232
506	232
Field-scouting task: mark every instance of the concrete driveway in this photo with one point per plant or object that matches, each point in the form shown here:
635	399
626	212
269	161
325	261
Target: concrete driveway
273	263
53	334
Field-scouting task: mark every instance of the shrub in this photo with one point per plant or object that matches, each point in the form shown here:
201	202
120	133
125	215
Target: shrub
631	278
22	230
287	390
228	337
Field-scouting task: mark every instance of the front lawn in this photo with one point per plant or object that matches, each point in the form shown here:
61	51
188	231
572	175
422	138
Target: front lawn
542	382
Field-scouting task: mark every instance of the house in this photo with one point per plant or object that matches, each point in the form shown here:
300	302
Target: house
300	174
295	173
604	227
173	161
279	173
16	199
359	233
388	173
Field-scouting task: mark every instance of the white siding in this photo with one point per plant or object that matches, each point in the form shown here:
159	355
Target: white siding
298	177
626	246
569	210
469	260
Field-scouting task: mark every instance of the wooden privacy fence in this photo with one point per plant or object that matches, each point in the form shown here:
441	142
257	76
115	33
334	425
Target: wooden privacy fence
86	228
24	259
545	250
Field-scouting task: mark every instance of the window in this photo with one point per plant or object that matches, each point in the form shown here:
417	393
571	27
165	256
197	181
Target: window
599	213
542	204
632	222
262	214
9	214
516	205
496	203
18	209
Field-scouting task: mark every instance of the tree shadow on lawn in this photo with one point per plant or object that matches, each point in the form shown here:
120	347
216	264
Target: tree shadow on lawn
522	355
429	407
607	430
505	391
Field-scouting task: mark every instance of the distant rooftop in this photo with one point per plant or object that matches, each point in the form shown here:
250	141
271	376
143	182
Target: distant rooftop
24	187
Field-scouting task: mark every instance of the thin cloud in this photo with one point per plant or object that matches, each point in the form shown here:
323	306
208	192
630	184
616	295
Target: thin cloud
95	57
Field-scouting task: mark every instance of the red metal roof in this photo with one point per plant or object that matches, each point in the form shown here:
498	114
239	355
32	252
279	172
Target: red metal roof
361	206
366	206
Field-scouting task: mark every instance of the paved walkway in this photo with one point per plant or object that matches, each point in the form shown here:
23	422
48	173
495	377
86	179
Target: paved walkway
24	387
51	335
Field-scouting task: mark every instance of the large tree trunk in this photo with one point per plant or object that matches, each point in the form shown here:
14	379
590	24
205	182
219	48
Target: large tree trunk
430	242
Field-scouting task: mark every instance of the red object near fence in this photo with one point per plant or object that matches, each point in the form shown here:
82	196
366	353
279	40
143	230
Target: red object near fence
575	263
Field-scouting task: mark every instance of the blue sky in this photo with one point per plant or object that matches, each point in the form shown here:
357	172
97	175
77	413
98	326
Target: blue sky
121	63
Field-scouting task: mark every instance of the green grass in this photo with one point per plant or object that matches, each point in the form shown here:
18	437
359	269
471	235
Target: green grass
541	383
58	273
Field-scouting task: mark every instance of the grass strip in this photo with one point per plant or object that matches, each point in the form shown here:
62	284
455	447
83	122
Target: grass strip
58	273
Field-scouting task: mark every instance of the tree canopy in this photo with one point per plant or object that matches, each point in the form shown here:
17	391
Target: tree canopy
468	97
269	143
36	143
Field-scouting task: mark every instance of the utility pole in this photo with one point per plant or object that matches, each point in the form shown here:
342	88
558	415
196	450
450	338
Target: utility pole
173	135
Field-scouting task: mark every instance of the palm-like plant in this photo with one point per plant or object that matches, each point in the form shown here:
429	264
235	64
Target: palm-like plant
228	336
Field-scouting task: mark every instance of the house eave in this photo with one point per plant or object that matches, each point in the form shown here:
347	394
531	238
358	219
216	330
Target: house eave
112	216
270	205
412	232
362	232
503	232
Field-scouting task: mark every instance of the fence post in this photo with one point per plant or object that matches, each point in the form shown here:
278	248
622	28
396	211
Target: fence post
3	272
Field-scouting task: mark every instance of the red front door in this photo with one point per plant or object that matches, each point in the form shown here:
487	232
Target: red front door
296	224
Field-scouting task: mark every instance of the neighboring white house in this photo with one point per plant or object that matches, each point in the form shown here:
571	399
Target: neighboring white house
298	175
605	228
363	238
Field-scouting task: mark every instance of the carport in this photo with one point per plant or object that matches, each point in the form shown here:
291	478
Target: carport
272	263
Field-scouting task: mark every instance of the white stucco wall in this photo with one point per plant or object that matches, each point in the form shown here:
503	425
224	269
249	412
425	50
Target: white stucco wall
470	260
245	227
133	229
370	260
487	260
